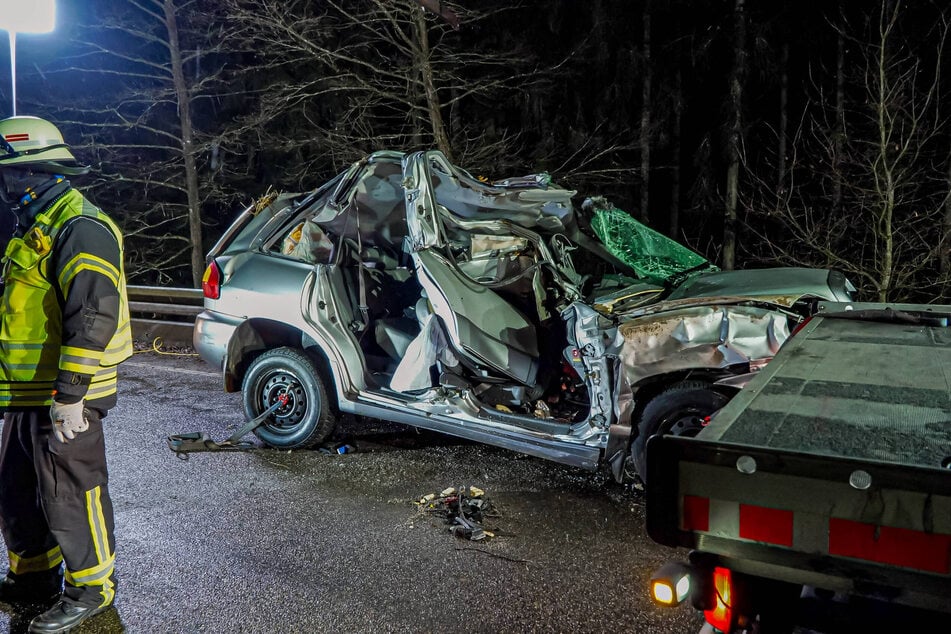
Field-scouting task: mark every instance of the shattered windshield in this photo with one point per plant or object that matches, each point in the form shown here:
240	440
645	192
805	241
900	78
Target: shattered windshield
653	256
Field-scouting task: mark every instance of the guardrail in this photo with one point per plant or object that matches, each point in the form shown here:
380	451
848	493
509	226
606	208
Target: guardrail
166	313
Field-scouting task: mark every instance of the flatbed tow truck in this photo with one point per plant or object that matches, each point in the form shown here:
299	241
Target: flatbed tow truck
819	498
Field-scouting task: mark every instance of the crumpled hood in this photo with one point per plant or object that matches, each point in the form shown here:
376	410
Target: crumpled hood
783	286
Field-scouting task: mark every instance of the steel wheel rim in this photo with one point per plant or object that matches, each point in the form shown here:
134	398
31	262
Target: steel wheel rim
684	424
286	417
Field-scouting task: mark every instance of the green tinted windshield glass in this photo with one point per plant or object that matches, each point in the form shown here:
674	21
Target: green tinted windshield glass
654	256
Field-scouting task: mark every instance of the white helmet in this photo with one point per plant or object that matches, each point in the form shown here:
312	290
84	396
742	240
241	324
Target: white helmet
36	144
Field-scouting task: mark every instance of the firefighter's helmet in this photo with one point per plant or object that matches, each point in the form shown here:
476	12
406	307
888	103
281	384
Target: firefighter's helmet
36	144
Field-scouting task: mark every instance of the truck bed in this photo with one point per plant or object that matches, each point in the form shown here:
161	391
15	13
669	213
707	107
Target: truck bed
847	388
830	469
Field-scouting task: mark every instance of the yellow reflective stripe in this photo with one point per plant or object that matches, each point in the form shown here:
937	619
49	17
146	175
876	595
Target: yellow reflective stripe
105	373
94	576
31	365
26	388
117	339
27	402
99	574
17	345
97	523
95	392
107	592
87	262
38	563
38	390
81	360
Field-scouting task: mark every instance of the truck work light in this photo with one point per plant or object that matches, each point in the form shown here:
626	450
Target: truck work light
671	584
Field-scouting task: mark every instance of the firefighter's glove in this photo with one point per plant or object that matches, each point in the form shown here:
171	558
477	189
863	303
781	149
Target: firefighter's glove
68	420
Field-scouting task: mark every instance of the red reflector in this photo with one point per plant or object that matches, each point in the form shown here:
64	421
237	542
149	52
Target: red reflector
761	524
17	137
800	326
211	281
696	513
721	616
887	545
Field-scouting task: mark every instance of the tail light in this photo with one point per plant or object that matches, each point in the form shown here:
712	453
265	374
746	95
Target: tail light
721	615
211	281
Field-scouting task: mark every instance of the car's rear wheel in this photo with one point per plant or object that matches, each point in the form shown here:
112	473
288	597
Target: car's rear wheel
306	419
680	410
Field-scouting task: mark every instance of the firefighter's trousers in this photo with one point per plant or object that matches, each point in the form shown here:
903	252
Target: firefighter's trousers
55	505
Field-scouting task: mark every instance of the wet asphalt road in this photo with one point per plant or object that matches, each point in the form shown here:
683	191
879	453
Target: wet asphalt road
270	541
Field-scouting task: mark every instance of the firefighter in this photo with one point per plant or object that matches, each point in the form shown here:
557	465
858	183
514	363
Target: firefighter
65	328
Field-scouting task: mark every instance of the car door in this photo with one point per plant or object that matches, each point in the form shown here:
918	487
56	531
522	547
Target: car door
482	327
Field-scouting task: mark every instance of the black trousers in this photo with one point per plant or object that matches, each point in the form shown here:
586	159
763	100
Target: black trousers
55	505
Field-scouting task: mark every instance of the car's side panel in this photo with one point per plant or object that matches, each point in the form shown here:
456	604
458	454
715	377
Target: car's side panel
713	337
262	285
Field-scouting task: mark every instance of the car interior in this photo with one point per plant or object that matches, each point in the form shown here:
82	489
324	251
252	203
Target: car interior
485	297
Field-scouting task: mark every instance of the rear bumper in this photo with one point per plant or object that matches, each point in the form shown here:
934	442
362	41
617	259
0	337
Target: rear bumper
212	333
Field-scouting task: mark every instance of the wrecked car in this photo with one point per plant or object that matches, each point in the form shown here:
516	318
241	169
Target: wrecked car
407	289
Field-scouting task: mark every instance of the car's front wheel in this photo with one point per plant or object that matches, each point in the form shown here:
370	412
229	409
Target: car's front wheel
680	410
306	419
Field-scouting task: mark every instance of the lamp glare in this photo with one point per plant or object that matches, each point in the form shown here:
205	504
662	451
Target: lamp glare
35	16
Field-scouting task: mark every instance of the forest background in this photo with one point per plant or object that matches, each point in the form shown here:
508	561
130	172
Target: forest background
759	133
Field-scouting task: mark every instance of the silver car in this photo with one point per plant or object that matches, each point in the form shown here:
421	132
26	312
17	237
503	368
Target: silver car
406	289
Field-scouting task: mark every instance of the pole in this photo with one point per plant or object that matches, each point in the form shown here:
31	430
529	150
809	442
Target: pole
13	67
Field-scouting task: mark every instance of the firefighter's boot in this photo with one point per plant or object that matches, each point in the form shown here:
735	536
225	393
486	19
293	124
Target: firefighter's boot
63	617
31	587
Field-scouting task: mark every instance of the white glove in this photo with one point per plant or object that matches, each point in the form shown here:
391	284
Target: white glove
68	420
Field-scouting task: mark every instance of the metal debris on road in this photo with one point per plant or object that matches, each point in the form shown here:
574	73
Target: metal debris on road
464	509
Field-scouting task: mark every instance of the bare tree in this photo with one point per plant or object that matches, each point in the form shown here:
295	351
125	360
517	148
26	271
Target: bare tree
735	141
868	202
673	226
139	126
645	129
334	80
945	243
783	131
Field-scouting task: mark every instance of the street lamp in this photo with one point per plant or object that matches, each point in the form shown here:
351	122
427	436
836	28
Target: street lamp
24	16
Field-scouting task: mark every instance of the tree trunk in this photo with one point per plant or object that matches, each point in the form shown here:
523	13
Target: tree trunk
675	149
839	132
188	143
733	145
645	139
884	165
783	124
433	105
946	235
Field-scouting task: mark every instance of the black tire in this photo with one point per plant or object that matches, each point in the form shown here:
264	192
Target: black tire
307	419
679	411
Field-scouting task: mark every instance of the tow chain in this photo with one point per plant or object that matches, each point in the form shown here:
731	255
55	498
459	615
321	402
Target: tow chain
183	444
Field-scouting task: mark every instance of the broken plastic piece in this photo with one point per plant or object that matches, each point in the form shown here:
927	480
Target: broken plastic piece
542	410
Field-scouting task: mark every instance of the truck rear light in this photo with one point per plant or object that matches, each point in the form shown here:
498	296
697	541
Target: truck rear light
211	281
721	615
671	584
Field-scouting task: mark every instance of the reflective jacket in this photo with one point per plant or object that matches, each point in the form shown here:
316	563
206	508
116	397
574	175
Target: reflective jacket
56	267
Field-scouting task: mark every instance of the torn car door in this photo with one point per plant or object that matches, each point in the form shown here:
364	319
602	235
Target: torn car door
481	327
